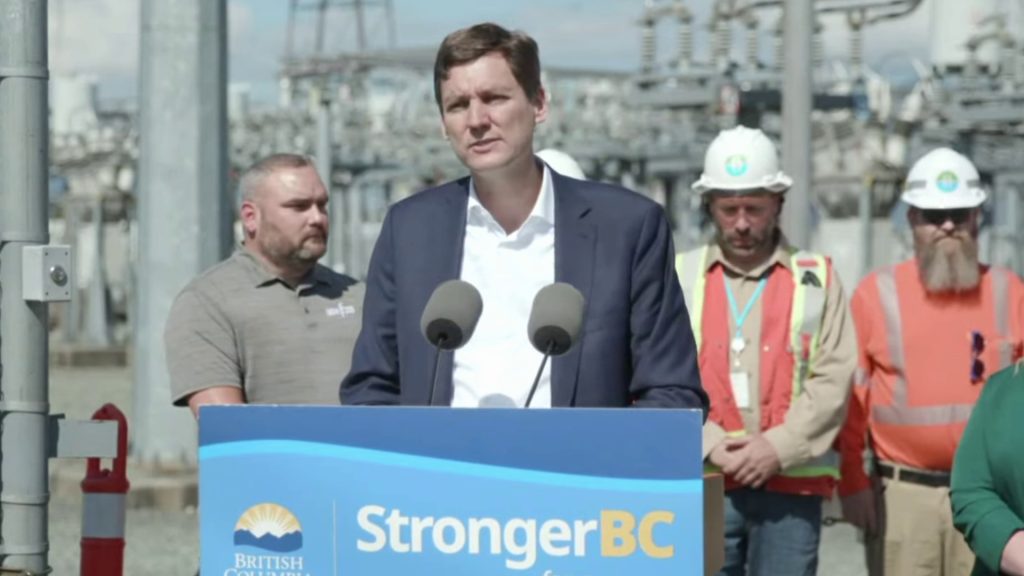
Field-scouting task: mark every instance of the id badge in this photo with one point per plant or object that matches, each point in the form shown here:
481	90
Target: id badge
740	389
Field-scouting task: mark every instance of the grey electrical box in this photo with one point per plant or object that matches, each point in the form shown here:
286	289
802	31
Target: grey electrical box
46	273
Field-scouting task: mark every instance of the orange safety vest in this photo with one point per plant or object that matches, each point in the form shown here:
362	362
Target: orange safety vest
790	331
917	354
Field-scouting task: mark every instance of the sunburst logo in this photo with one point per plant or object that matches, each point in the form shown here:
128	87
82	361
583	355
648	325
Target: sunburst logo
947	181
736	165
269	527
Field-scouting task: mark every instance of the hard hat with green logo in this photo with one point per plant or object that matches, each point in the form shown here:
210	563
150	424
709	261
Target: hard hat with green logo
942	180
742	160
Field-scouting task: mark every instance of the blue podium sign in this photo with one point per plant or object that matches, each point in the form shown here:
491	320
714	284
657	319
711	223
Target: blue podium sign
375	491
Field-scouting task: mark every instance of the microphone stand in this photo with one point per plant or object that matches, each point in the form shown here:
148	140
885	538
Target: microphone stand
536	379
437	360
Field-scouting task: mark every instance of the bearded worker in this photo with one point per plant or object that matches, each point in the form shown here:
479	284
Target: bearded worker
930	330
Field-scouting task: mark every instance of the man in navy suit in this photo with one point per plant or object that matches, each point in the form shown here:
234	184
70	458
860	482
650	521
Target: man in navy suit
510	228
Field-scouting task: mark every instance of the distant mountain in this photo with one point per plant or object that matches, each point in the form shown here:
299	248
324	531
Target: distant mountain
289	542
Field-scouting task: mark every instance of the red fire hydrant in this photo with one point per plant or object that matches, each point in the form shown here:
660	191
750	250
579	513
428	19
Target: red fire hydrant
103	513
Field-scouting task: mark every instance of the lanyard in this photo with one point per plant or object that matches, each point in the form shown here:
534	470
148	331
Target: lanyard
742	317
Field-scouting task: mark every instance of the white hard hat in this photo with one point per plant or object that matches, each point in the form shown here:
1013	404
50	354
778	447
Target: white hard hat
741	159
562	163
941	180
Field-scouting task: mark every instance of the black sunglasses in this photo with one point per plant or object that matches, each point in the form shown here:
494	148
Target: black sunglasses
977	366
957	216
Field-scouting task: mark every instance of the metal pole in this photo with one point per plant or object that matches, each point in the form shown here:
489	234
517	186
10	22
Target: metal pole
97	316
73	307
24	396
289	40
325	166
182	205
867	228
360	26
389	8
321	21
355	265
796	119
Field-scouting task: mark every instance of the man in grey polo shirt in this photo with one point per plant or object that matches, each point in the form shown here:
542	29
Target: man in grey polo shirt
268	325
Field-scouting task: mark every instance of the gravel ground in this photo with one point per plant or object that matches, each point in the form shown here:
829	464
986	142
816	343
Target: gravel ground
162	543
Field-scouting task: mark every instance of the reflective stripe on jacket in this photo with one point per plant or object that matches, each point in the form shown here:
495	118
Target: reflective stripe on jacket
913	391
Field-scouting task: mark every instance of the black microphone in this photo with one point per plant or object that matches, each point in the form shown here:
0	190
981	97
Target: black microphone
554	325
449	319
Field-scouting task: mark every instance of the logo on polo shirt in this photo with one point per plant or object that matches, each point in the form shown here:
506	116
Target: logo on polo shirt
341	310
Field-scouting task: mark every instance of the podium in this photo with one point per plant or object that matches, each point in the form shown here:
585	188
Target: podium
370	491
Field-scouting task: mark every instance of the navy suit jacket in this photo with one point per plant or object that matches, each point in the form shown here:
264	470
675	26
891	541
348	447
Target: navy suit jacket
614	245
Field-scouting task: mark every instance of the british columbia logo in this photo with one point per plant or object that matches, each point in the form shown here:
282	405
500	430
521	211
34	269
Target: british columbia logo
270	527
736	165
947	181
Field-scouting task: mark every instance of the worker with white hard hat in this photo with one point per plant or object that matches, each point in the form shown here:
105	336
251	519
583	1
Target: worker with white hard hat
943	180
930	331
562	163
777	355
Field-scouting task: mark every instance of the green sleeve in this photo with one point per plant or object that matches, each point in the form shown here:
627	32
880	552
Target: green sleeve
984	518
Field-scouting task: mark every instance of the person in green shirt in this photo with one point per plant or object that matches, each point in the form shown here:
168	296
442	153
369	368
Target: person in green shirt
987	487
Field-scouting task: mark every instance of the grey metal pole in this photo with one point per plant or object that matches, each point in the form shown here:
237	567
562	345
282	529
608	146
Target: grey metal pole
97	316
325	166
867	230
389	8
360	25
24	404
354	207
73	307
182	201
796	119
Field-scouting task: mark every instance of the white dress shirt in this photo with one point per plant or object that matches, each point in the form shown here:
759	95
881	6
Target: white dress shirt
498	364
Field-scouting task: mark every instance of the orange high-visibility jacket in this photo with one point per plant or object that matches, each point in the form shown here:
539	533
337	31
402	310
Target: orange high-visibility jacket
912	391
790	328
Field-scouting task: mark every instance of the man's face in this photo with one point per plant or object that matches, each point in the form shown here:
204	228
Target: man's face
486	115
945	243
746	225
287	218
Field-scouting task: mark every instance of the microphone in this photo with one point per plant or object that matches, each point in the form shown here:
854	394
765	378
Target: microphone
554	324
449	319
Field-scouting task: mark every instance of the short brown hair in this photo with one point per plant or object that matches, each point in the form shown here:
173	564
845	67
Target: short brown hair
470	44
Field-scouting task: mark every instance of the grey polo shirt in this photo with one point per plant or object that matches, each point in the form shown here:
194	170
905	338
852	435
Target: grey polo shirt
238	325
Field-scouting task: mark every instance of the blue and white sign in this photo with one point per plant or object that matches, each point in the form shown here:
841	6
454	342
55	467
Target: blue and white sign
371	491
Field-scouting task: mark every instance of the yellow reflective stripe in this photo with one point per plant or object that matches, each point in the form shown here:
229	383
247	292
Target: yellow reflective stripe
691	269
806	314
810	472
825	465
806	318
796	322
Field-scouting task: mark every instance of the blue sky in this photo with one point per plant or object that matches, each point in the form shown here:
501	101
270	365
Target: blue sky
100	37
